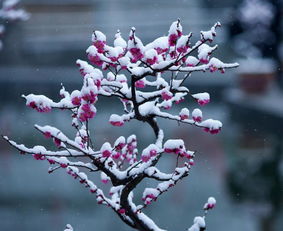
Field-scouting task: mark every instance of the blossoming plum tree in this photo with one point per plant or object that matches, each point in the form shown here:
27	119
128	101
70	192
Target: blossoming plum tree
121	164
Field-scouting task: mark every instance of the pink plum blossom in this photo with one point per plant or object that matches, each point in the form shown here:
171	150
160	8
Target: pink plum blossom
140	84
38	157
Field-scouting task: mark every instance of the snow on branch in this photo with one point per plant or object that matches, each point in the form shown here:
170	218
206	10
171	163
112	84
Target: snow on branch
148	81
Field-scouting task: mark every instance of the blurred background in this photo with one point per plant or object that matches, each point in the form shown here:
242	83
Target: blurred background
241	167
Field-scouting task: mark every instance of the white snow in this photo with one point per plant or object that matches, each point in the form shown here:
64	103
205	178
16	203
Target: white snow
174	143
197	113
161	42
148	108
211	124
106	146
205	50
174	27
192	61
151	53
201	96
199	222
149	222
68	228
183	40
119	41
211	200
115	118
98	36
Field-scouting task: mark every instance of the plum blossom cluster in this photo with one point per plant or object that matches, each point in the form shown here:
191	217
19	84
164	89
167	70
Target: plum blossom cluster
10	13
148	80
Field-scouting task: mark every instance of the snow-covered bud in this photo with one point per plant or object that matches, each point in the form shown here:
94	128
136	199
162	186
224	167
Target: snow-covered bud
175	32
105	66
97	83
84	67
136	53
131	143
212	126
116	155
124	61
99	199
57	142
76	97
150	194
92	187
184	114
149	152
75	121
151	56
99	41
183	44
173	54
179	98
210	204
204	51
63	92
167	104
79	140
89	95
114	53
94	56
189	154
119	41
131	139
174	146
166	95
161	45
209	35
121	78
140	84
121	211
86	111
47	134
135	47
116	120
191	61
104	178
120	143
106	150
39	157
202	98
39	102
153	152
110	76
51	161
63	165
197	115
215	64
145	157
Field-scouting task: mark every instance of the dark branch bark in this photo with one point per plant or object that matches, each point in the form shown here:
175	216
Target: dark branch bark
140	225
